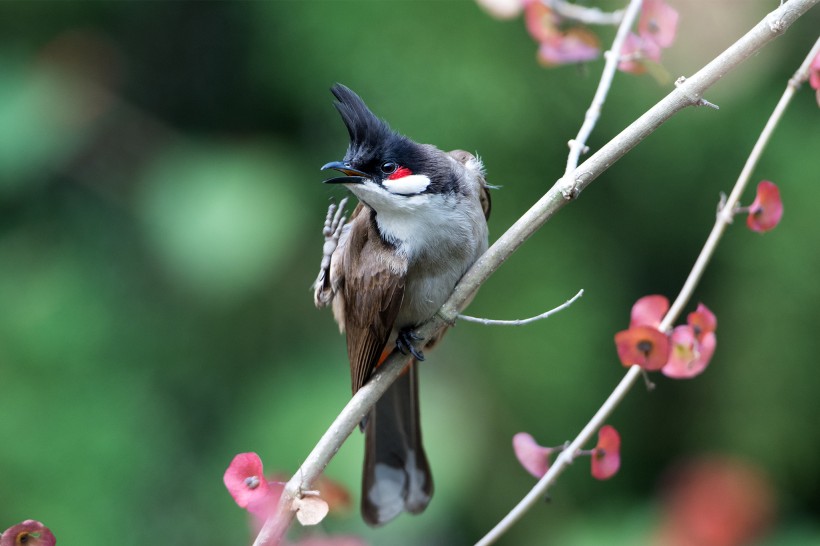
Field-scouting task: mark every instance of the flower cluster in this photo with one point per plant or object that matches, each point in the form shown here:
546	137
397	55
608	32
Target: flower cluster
560	41
605	457
246	482
558	45
683	353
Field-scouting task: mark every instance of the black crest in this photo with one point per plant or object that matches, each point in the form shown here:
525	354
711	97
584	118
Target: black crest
368	133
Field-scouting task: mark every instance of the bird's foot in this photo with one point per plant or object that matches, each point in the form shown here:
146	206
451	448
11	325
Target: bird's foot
332	230
404	343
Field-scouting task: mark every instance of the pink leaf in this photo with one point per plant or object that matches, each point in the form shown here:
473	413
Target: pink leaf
606	457
766	210
533	457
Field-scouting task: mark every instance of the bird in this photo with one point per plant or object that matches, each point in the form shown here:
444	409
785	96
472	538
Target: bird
420	223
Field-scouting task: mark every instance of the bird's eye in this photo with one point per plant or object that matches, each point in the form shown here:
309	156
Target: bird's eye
389	167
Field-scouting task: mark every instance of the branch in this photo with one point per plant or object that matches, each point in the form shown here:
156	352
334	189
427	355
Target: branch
577	146
522	322
583	14
724	218
564	191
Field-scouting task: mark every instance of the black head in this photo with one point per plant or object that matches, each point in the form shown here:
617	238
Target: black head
377	153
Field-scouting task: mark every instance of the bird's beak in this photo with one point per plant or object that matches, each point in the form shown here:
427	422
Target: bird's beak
353	176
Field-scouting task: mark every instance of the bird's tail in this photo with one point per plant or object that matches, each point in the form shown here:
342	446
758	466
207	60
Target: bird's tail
396	474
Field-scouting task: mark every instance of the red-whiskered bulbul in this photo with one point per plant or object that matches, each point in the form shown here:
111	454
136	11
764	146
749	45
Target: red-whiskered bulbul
420	223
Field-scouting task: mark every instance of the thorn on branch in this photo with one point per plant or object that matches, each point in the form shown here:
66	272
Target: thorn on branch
704	102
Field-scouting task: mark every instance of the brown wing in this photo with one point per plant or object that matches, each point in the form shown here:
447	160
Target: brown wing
373	291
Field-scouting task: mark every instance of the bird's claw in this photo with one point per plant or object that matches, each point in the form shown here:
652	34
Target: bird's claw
404	343
332	231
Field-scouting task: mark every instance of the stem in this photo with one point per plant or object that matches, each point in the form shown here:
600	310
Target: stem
578	144
723	219
521	322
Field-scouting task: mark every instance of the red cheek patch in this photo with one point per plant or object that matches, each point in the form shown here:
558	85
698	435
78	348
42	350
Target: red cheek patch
401	172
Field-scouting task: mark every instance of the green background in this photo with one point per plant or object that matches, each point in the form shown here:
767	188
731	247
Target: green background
161	209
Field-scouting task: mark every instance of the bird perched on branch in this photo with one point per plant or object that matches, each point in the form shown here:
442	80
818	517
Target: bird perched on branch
421	222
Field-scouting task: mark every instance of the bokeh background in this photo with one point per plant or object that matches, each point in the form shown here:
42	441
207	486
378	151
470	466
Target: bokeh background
161	209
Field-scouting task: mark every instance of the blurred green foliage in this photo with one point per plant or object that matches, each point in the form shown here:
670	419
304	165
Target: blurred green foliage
160	223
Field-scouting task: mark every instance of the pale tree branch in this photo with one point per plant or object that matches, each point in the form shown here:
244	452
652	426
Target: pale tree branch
584	14
522	322
578	145
724	218
564	191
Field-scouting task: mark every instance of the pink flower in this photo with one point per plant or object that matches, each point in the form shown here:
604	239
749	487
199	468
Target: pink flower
558	46
533	457
814	76
542	23
606	457
693	345
766	210
28	533
658	22
702	320
636	51
573	46
649	311
247	485
643	346
657	27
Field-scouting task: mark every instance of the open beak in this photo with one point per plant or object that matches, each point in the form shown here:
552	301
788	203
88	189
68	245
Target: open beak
352	176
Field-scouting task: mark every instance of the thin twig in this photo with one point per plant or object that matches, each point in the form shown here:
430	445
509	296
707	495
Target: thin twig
565	458
521	322
578	145
584	14
562	193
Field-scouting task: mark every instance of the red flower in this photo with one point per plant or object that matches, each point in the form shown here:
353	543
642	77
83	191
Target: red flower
28	533
533	457
606	457
643	346
702	320
766	210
